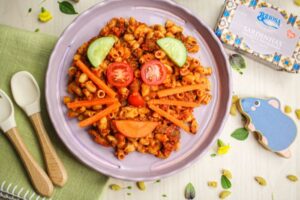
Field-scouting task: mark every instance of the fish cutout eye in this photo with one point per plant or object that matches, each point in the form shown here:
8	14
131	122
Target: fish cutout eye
257	103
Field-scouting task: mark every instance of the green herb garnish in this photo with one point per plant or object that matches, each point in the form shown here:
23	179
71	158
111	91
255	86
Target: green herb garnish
213	155
67	8
164	195
240	134
189	192
220	143
225	182
29	10
37	30
237	62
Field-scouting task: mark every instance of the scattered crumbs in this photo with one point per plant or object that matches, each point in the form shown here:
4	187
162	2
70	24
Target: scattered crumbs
224	194
292	178
287	109
222	148
297	111
212	184
227	173
213	155
115	187
164	195
45	15
128	193
37	30
260	180
141	185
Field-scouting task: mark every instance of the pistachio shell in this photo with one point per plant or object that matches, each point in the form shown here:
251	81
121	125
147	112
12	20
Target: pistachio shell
115	187
213	184
141	185
261	181
292	178
227	173
224	194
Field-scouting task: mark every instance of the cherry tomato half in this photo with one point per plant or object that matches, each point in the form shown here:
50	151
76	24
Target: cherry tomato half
135	99
119	74
153	72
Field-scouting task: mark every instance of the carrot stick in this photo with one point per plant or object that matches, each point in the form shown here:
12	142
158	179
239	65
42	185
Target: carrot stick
167	92
99	115
169	117
173	102
93	102
94	78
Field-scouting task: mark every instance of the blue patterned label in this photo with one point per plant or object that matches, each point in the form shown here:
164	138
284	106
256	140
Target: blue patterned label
269	20
264	30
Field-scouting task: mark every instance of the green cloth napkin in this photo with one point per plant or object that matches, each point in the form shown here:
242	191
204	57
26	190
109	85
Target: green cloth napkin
23	50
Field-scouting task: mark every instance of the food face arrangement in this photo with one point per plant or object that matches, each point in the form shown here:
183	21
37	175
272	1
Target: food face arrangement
134	86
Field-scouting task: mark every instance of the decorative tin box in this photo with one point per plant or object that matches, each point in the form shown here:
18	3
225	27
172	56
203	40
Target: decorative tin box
262	31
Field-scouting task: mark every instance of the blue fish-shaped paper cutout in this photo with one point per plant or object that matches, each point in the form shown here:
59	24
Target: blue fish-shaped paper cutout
278	131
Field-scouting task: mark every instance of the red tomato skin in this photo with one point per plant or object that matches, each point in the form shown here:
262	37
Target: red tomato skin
135	99
128	71
163	72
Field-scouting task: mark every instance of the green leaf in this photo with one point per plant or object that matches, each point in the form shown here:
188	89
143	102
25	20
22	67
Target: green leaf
67	8
225	182
237	61
37	30
213	155
189	192
220	143
29	10
240	134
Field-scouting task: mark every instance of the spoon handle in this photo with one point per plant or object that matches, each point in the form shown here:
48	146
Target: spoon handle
38	177
55	167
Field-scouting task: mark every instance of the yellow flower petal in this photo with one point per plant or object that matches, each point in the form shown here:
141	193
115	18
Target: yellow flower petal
223	150
45	16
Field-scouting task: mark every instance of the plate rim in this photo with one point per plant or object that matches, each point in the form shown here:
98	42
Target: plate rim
184	166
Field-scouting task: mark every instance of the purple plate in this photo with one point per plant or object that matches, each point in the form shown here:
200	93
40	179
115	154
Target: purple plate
137	166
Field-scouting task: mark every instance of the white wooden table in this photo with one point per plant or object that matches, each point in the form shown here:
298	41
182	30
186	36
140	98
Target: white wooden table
245	160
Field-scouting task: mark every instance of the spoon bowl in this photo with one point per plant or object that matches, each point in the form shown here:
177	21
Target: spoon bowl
6	112
26	92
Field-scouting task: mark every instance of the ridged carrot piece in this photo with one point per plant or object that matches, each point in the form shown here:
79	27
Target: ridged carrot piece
173	102
171	91
99	115
93	102
169	117
94	78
